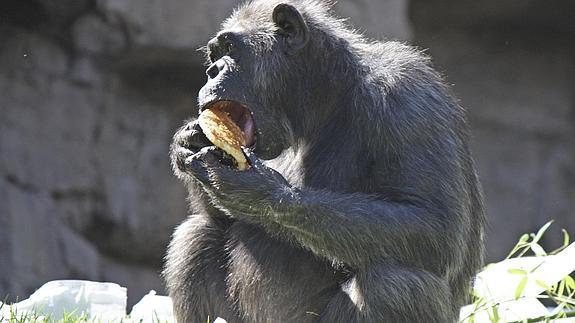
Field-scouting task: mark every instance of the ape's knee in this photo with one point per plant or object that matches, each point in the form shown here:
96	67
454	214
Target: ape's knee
393	294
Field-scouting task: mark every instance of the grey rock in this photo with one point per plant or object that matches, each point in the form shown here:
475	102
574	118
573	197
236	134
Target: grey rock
5	237
94	35
517	83
137	279
84	172
65	10
25	52
378	19
170	23
34	249
175	23
80	257
92	92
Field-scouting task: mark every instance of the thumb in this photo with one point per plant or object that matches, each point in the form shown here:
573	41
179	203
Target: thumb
252	158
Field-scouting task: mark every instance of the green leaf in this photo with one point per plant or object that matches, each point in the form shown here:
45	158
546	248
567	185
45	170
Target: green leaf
520	287
521	244
565	237
541	232
554	288
542	284
561	288
538	250
516	271
496	317
570	282
566	240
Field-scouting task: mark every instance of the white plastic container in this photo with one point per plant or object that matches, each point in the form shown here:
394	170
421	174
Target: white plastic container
99	301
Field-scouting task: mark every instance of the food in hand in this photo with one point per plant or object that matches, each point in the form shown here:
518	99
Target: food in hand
221	130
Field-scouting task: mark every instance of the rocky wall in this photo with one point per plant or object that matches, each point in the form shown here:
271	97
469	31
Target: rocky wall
91	92
513	66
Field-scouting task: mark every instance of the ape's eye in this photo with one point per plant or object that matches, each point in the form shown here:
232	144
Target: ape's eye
221	45
228	46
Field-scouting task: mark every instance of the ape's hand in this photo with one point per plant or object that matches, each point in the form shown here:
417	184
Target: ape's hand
253	192
188	141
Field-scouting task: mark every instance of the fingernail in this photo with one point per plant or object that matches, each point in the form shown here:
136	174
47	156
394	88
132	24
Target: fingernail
189	161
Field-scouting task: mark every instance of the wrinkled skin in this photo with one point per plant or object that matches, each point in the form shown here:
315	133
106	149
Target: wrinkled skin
235	191
361	203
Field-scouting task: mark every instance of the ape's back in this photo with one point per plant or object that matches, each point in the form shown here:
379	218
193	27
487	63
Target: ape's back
367	208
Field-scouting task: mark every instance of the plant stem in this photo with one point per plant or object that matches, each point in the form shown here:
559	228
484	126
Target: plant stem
546	317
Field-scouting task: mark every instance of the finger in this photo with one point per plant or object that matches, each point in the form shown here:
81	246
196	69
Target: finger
197	169
209	155
198	138
252	158
191	137
179	155
227	181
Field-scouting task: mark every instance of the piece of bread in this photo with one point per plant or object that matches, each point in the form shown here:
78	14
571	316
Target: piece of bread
224	134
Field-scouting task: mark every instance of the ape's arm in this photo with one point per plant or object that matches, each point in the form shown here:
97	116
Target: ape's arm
352	228
358	228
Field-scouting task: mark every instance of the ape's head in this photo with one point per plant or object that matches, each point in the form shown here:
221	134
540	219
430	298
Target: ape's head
258	66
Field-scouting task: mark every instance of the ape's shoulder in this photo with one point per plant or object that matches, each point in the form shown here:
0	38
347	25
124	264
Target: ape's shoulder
398	51
404	96
394	61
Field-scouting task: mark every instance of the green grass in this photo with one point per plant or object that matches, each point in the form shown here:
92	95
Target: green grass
68	318
15	317
561	294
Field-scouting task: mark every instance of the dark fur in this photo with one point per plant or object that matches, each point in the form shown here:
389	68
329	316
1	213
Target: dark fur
367	208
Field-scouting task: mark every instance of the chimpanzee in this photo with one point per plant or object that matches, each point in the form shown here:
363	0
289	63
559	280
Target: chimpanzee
361	204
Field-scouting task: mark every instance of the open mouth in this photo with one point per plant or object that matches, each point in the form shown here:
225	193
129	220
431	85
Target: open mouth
240	115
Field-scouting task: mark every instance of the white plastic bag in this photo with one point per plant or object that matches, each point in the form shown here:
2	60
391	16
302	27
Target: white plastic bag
4	311
497	285
153	308
98	301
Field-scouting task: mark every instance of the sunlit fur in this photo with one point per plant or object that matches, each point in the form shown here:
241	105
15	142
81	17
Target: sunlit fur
383	218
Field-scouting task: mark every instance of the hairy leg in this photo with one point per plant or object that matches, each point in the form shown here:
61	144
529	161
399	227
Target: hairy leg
195	271
391	293
274	281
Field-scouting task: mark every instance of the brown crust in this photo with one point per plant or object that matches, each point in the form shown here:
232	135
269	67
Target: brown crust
224	134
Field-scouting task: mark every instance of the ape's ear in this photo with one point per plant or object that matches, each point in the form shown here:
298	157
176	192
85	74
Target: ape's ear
292	26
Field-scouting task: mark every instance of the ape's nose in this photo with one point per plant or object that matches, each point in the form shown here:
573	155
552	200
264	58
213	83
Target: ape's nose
215	69
212	71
